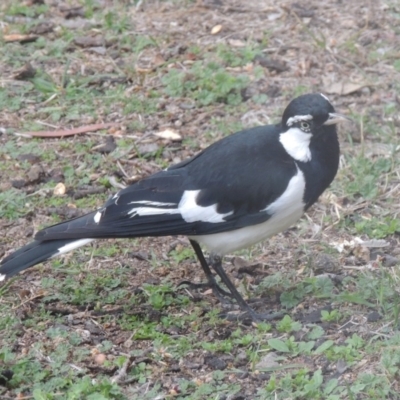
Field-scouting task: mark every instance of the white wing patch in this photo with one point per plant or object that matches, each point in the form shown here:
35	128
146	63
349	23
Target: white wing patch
298	118
189	210
72	246
146	211
152	203
97	217
285	211
192	212
297	144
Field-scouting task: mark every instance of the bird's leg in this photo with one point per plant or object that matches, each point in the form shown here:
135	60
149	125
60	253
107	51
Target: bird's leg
216	263
212	283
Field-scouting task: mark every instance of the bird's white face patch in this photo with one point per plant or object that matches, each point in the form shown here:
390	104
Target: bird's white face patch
187	208
325	97
72	246
298	118
285	211
297	144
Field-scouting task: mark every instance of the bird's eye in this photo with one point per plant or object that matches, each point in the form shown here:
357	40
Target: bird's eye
305	125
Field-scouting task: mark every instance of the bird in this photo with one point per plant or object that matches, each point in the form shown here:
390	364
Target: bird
239	191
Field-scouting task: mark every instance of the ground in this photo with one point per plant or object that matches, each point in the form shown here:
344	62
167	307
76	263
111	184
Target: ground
163	80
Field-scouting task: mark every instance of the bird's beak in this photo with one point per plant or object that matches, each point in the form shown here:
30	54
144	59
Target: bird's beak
335	118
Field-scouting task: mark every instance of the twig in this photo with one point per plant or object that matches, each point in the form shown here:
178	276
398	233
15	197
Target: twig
30	299
122	372
122	169
114	183
66	132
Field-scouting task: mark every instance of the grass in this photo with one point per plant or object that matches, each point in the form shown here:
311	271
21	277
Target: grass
68	328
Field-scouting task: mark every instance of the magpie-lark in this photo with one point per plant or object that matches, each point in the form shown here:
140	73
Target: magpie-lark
237	192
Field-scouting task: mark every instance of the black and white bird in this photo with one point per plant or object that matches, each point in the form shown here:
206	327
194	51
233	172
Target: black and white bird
237	192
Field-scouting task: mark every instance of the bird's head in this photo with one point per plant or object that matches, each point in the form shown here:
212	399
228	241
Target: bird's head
309	118
309	113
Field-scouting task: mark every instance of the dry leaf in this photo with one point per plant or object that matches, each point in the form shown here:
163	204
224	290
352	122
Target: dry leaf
236	43
26	72
59	190
24	293
239	262
216	29
342	87
343	245
89	41
352	244
375	243
362	253
141	70
301	270
158	60
16	37
169	134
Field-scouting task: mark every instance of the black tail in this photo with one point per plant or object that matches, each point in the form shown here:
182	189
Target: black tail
35	253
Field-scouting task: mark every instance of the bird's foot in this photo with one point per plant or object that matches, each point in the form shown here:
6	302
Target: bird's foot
220	293
251	316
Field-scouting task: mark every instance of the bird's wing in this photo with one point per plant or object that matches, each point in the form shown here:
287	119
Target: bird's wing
226	187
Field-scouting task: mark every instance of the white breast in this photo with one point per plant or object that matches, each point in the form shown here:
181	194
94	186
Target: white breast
285	210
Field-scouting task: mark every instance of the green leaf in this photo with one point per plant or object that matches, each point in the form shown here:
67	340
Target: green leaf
289	299
330	386
316	333
324	346
306	347
44	86
279	345
39	395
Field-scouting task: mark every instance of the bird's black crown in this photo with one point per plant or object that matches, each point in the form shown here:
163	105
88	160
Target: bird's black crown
315	105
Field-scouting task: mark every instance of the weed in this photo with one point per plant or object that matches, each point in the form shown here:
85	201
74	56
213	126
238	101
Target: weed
287	325
12	204
330	316
206	84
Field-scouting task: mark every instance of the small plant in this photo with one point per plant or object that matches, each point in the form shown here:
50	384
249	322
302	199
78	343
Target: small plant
330	316
287	325
300	384
181	253
378	227
236	58
12	204
162	296
365	176
206	84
